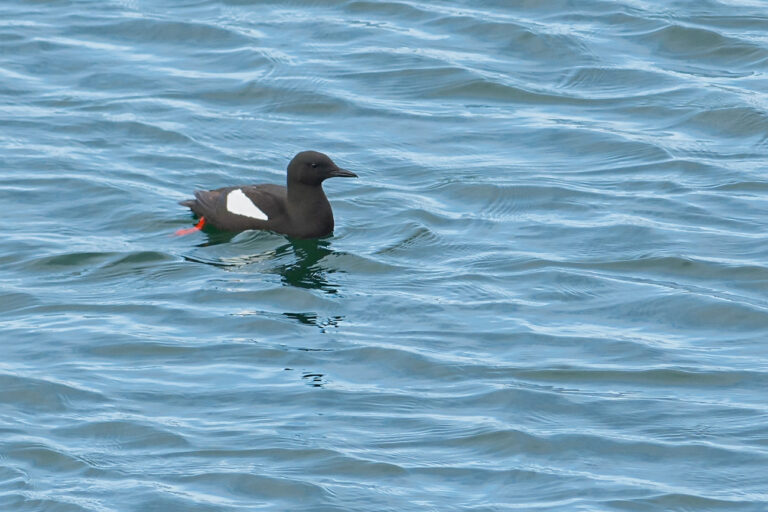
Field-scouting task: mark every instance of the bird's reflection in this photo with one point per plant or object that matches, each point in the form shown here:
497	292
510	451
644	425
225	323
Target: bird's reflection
313	319
305	271
299	262
216	237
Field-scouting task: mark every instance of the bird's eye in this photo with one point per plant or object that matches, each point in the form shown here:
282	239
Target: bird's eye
313	164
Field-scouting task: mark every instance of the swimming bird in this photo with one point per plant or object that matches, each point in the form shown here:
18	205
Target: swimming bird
299	210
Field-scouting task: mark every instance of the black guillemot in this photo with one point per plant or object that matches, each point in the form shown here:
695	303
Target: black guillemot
299	210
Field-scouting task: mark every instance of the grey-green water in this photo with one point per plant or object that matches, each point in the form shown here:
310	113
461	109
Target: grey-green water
546	291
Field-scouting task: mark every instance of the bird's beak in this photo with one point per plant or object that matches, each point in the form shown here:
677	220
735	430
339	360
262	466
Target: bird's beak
341	173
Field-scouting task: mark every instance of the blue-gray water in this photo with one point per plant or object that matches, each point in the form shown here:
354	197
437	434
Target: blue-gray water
546	291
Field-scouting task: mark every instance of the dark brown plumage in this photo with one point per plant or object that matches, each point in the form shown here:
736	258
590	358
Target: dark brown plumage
299	210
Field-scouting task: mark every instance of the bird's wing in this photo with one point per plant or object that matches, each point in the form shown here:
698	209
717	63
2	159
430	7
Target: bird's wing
270	199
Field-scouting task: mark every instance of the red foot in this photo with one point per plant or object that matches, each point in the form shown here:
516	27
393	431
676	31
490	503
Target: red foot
197	227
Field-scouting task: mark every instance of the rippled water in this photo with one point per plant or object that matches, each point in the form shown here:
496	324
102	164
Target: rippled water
547	290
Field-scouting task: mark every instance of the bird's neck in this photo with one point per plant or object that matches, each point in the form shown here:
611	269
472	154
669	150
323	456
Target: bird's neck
306	200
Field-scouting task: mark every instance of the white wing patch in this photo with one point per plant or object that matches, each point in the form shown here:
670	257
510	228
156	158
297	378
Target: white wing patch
238	203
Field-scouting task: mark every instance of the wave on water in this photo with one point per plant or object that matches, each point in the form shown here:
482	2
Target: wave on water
546	290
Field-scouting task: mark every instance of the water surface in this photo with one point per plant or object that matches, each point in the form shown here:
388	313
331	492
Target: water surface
546	291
